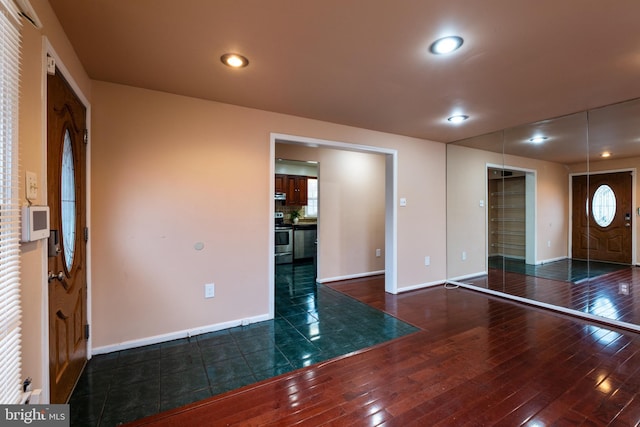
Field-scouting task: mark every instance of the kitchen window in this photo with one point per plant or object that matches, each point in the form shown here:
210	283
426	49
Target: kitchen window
311	210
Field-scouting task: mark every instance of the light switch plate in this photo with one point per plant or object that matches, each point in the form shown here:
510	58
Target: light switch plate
31	185
403	201
209	290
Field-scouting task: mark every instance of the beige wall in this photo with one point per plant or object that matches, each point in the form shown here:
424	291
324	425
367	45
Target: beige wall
352	210
466	222
171	171
32	154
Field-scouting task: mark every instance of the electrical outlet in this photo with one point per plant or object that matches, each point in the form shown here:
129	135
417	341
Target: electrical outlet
464	256
378	252
209	290
427	260
623	289
548	243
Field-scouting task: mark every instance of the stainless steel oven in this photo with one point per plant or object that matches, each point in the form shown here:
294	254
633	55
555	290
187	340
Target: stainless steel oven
284	244
283	241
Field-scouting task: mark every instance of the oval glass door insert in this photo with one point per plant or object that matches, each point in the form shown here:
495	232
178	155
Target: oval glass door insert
604	205
68	202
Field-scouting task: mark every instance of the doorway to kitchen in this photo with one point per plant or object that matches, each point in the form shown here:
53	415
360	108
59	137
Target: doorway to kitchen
387	177
296	210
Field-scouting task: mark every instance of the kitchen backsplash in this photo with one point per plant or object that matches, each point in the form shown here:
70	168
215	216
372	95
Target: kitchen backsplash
287	211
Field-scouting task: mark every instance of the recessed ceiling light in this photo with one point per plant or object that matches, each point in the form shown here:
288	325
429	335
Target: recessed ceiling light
446	45
538	139
458	118
605	154
234	60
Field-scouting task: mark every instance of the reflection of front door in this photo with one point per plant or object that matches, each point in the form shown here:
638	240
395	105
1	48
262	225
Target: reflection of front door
602	217
67	268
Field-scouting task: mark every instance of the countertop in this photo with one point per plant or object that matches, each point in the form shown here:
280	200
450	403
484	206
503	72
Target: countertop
305	226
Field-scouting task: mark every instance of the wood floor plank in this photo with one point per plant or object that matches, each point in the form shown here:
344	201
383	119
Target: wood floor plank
477	361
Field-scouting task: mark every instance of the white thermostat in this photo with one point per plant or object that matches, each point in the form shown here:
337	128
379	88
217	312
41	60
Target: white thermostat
35	223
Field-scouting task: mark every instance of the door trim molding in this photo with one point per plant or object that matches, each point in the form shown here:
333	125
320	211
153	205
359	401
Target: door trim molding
48	49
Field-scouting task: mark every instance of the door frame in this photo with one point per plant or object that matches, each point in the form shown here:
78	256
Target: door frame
531	211
634	214
48	50
391	178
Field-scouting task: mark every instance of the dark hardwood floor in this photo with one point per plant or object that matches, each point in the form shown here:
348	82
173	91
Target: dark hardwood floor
477	360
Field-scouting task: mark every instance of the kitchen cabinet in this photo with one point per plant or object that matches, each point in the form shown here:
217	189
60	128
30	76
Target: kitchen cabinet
281	183
304	241
294	186
296	190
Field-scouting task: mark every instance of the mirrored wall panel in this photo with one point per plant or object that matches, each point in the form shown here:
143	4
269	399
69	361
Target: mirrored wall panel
548	212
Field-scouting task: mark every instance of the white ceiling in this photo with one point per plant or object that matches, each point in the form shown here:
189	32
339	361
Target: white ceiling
366	63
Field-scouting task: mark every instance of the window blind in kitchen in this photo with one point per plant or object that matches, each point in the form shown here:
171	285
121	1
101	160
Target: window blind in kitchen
10	306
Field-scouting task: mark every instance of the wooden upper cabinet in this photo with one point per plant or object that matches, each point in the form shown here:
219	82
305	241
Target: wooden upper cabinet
295	187
281	183
301	185
296	190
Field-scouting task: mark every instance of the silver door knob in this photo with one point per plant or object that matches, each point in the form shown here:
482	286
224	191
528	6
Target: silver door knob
59	276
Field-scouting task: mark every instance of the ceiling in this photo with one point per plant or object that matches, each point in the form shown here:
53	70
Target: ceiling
574	138
366	63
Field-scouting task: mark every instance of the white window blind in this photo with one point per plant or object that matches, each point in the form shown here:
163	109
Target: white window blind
10	311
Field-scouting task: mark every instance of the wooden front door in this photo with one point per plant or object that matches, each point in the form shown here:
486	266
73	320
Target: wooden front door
66	125
602	234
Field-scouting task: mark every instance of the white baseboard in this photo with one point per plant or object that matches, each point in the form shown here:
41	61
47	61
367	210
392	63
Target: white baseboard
350	276
547	261
177	335
468	276
421	286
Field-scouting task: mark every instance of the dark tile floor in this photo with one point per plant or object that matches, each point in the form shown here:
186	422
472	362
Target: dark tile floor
567	270
313	323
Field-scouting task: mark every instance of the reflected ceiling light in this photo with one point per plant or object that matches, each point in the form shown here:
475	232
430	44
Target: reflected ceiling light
605	154
458	118
538	139
446	45
234	60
